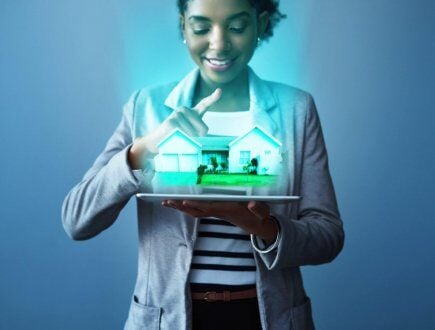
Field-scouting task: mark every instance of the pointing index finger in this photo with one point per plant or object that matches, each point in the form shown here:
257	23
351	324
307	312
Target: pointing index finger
208	101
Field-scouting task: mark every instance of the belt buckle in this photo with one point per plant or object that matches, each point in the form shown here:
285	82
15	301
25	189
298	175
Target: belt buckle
209	299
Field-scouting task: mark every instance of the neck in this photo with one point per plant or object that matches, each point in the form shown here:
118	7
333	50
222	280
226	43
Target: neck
235	94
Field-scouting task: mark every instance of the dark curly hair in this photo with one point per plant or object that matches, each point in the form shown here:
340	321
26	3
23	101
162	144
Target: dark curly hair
271	6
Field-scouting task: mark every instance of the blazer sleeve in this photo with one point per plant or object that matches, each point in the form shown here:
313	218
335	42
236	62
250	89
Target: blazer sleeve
316	235
95	203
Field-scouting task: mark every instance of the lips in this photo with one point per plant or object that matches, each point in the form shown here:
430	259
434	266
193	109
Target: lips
217	64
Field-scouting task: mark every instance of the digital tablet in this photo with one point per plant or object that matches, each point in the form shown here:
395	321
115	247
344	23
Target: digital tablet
152	197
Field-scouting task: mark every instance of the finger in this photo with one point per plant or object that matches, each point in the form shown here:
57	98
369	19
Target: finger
260	210
206	102
198	205
183	207
212	206
171	203
195	120
180	121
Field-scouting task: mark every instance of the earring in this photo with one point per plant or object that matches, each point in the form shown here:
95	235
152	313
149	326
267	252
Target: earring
184	41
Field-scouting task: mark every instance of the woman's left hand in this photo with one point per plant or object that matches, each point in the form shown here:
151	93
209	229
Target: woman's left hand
253	217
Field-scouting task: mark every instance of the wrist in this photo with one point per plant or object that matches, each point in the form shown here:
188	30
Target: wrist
264	246
270	230
134	157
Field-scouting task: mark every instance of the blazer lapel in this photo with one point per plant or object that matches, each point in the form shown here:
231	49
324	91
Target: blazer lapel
182	94
261	102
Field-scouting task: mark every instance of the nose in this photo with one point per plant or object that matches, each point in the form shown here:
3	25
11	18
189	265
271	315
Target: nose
219	40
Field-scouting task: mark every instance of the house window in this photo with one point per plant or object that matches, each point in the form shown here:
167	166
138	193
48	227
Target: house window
206	157
245	157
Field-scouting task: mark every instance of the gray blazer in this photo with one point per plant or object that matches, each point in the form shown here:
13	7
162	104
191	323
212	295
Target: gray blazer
311	231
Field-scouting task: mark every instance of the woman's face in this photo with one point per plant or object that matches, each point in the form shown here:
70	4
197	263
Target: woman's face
221	36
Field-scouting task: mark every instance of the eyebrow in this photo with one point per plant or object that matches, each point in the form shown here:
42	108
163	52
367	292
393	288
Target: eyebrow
204	18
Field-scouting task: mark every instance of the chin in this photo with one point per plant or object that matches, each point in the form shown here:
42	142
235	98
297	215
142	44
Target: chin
222	78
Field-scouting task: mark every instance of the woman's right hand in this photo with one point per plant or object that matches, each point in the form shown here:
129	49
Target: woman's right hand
186	119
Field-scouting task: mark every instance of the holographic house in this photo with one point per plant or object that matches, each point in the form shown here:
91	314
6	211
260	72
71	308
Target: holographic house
179	152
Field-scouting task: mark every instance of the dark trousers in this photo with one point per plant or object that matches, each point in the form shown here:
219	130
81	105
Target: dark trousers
233	315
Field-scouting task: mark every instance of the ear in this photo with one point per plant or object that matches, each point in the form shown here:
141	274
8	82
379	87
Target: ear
182	22
262	22
182	26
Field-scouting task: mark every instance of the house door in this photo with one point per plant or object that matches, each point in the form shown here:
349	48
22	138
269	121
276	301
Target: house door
178	163
169	163
188	163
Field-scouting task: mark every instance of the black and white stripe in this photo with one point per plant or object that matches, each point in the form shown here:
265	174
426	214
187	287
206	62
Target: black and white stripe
222	255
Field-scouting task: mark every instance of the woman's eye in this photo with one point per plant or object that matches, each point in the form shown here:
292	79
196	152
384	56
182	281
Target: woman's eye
200	31
237	29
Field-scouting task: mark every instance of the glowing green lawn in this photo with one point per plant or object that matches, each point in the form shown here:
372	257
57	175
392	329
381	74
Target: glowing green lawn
233	179
237	180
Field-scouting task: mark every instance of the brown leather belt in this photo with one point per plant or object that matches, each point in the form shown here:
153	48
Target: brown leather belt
212	296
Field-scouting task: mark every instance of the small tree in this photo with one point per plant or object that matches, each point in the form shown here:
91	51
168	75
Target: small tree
224	166
246	169
214	163
253	166
200	172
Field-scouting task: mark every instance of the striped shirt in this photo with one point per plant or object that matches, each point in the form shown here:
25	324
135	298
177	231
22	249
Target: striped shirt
222	255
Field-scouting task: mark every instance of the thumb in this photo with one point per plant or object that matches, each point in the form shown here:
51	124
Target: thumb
260	210
206	102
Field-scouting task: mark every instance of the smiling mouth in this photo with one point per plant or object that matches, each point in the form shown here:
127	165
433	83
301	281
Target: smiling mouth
218	64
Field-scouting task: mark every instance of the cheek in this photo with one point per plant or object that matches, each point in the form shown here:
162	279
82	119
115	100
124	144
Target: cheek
246	45
247	48
196	48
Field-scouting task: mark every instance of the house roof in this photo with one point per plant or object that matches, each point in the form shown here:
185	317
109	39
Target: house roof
261	130
215	142
180	133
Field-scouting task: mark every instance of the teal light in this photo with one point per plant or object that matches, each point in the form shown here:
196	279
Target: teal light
154	52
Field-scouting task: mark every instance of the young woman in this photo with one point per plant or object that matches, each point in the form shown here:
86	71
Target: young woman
214	265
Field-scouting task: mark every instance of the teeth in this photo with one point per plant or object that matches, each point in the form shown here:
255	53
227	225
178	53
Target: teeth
219	62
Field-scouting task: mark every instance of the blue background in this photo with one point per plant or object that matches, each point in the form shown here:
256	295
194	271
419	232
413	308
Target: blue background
67	67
